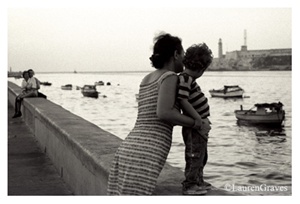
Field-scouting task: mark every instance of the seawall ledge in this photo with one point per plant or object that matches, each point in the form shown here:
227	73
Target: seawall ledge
81	151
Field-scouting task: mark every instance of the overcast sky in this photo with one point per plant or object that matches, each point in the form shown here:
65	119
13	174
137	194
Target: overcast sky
111	38
84	36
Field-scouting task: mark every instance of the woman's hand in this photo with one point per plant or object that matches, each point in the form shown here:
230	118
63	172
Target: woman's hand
205	127
198	124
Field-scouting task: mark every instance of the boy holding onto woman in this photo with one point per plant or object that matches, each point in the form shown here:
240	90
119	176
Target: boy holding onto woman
194	104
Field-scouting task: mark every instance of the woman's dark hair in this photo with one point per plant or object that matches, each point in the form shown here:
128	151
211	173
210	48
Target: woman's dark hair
23	74
198	57
164	47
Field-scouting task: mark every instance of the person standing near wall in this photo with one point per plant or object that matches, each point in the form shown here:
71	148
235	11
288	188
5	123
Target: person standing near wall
142	155
194	103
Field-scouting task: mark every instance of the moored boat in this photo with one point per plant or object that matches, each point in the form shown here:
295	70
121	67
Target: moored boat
99	83
46	83
233	91
89	91
265	113
67	87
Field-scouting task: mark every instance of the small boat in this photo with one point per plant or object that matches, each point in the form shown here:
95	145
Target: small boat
99	83
233	91
67	87
265	113
78	87
89	91
46	83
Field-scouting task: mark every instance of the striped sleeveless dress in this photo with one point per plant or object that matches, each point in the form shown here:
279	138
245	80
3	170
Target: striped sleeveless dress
142	155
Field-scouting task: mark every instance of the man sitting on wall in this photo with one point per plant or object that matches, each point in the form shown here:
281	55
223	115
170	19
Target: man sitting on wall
29	89
31	75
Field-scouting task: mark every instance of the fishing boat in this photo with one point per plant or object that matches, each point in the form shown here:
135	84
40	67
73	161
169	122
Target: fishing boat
99	83
262	113
233	91
67	87
46	83
90	91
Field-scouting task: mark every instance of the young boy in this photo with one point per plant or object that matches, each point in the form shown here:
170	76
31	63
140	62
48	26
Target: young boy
194	103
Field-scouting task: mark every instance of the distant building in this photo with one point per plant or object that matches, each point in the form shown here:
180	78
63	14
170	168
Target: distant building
272	59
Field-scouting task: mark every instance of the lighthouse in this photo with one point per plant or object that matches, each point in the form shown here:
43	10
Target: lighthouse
220	49
244	47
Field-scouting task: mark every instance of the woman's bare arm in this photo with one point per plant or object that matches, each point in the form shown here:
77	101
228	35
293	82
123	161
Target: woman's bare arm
166	101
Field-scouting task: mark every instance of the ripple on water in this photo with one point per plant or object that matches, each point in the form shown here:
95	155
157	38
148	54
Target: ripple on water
246	164
220	164
277	176
228	114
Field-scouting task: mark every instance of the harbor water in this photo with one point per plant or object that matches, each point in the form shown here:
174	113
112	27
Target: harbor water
238	154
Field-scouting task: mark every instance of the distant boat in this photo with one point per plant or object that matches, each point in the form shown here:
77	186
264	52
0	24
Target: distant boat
46	83
75	72
89	91
265	113
67	87
233	91
99	83
78	87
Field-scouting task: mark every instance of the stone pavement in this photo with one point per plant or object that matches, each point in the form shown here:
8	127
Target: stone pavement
30	171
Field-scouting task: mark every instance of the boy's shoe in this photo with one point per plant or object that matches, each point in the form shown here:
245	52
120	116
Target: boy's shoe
205	185
194	190
17	115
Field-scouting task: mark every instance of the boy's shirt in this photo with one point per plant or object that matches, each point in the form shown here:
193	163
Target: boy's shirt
189	89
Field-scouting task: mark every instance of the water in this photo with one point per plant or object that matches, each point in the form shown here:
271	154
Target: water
236	154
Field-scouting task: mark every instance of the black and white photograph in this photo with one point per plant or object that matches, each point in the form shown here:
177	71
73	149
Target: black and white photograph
154	98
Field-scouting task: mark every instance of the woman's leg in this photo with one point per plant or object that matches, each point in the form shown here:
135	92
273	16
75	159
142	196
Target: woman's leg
18	107
18	103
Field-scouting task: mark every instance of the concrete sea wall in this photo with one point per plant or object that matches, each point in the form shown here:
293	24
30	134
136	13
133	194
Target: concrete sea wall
81	151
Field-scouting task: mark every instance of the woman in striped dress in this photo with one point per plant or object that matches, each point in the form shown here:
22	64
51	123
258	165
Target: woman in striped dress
142	155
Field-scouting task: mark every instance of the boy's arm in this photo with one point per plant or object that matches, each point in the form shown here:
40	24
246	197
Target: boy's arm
189	109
